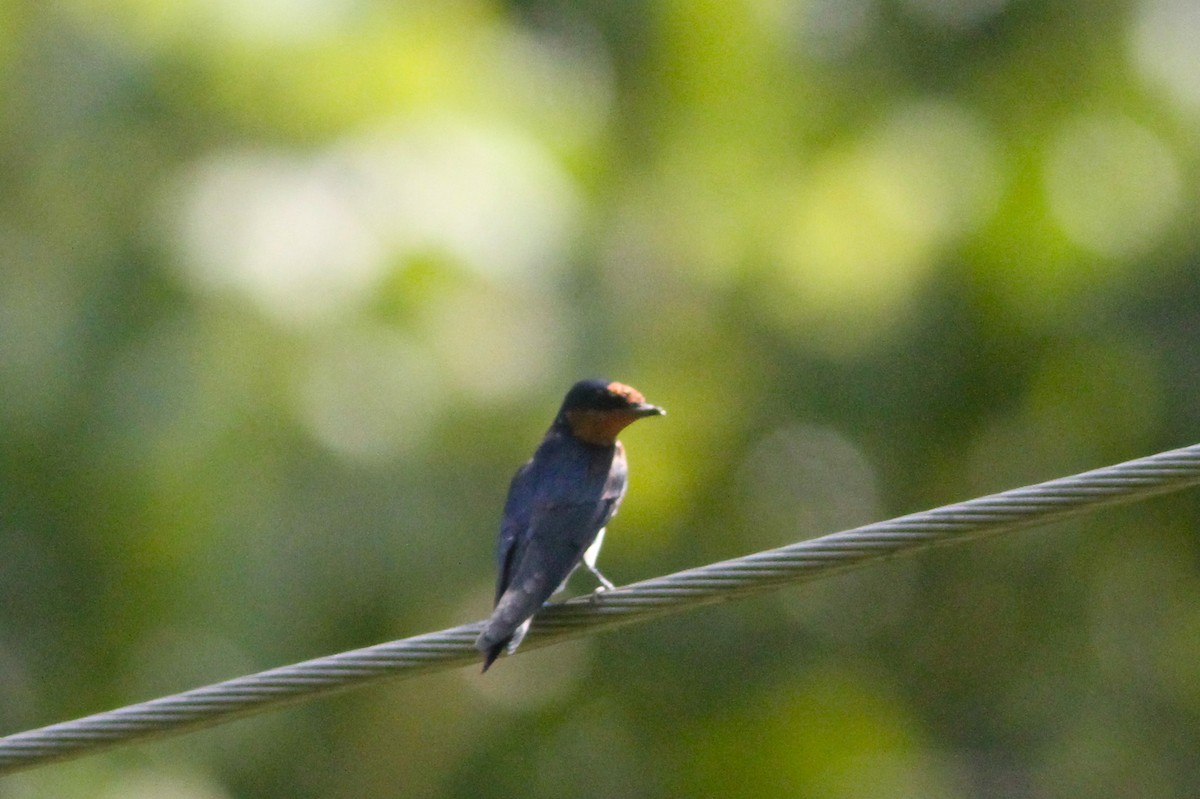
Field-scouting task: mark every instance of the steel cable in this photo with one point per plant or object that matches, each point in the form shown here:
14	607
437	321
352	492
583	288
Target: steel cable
806	560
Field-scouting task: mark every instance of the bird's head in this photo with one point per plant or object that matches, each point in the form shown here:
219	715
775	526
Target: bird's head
595	411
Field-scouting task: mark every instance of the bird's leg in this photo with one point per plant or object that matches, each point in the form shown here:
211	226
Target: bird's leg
605	583
589	560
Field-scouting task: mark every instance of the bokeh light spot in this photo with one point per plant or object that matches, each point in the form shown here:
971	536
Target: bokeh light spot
174	783
1164	41
870	220
279	230
369	395
490	198
831	29
1112	185
955	14
497	344
309	239
803	481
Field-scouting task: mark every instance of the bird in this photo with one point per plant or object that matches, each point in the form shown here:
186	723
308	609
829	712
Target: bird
558	505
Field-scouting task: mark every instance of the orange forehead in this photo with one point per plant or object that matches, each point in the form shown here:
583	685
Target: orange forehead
630	393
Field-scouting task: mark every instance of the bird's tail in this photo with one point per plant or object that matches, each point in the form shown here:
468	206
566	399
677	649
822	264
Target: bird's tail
491	653
492	645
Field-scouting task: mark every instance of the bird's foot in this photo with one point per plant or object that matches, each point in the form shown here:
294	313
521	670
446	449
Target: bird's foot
601	590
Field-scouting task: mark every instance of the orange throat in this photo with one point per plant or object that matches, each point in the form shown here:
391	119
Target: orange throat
599	428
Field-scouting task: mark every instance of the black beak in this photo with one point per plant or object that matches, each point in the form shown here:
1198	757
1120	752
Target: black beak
646	409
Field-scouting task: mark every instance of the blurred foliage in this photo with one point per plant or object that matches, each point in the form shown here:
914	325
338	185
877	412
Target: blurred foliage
290	288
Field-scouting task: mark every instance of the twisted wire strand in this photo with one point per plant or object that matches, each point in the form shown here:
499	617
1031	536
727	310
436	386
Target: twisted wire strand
806	560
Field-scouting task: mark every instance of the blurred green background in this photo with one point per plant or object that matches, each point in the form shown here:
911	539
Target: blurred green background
290	288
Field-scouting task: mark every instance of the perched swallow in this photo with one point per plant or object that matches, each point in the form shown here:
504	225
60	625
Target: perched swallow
558	505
